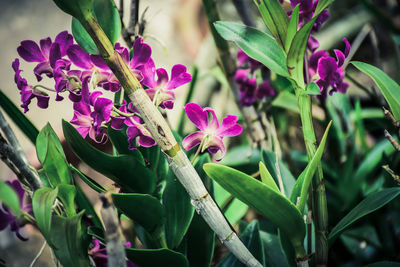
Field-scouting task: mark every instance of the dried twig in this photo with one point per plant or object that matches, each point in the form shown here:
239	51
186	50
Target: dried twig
393	141
114	238
390	116
391	172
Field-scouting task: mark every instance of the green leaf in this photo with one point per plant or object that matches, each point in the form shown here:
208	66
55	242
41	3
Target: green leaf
266	178
312	89
119	139
292	27
255	44
125	170
79	9
156	257
89	181
109	20
82	37
15	114
243	158
295	57
252	240
271	204
41	142
275	18
370	162
70	242
389	88
84	204
150	215
178	211
9	198
51	154
302	184
56	166
288	180
322	4
287	101
235	211
370	204
156	160
42	205
66	193
200	238
274	257
360	129
107	16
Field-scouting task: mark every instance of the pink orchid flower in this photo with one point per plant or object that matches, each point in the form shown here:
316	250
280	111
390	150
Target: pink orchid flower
211	132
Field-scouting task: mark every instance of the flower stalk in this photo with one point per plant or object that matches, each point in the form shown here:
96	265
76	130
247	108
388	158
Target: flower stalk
161	132
319	204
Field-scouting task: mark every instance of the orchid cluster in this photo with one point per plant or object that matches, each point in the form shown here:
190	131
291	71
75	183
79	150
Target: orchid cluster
84	76
250	90
330	72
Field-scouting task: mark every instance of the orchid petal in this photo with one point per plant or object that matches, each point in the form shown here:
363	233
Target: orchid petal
197	115
65	40
192	140
79	57
179	77
30	51
340	57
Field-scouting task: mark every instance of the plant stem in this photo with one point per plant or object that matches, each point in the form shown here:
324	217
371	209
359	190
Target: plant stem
114	238
319	207
31	177
177	159
251	119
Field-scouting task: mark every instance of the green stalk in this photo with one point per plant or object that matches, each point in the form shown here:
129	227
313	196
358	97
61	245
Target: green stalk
319	204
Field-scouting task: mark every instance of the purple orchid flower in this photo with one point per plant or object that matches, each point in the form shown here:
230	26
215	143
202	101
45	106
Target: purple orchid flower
136	129
27	92
244	60
99	254
92	65
211	133
330	71
6	216
47	54
140	56
306	12
87	119
249	91
160	89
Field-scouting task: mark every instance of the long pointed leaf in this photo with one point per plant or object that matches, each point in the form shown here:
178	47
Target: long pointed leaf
125	170
370	204
292	27
275	18
273	205
255	44
16	115
300	189
389	88
295	57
